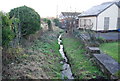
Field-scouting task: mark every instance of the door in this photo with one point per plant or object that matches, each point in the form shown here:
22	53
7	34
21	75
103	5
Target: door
118	23
106	23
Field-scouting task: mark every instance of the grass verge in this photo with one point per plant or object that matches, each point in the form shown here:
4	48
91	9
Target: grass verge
81	66
111	49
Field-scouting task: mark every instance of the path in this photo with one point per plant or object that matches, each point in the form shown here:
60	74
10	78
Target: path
109	35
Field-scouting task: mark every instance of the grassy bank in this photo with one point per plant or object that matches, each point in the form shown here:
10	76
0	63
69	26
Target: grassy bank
81	66
47	44
111	49
41	60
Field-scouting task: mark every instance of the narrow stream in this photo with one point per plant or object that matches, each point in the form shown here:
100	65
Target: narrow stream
66	72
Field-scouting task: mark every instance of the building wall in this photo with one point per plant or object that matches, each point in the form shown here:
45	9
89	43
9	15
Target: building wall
112	13
89	20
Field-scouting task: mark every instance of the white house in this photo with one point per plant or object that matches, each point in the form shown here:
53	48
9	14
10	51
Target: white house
102	17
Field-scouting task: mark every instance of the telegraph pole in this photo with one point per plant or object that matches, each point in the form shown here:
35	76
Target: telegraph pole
19	28
57	10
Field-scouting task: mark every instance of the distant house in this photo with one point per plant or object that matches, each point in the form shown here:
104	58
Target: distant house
67	17
103	17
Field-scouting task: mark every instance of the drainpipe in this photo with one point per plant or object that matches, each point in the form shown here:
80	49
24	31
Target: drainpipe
97	25
96	22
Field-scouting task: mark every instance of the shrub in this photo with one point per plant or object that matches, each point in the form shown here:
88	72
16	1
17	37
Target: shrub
45	20
49	25
7	32
56	21
100	40
29	19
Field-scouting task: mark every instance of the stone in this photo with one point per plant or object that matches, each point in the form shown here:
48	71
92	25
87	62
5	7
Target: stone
93	50
107	63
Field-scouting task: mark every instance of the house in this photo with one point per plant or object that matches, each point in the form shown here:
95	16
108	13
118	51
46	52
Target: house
67	18
103	17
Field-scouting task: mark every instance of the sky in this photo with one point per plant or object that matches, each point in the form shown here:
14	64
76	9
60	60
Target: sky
50	8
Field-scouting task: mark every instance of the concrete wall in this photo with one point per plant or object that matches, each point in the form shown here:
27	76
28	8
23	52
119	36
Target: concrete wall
112	13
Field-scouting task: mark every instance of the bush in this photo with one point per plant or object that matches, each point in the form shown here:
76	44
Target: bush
49	25
7	32
100	40
45	20
29	19
56	21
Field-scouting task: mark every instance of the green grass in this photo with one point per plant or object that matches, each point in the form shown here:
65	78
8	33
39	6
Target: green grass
117	74
81	66
111	49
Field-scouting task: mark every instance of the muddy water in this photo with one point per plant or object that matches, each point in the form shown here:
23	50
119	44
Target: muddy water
66	72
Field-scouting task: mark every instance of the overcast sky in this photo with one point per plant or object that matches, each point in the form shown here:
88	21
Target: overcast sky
48	8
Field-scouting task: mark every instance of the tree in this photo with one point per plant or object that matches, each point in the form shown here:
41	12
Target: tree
49	25
29	19
56	21
45	20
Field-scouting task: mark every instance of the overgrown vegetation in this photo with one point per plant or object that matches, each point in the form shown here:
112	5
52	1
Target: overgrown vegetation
111	49
49	47
81	66
19	22
49	25
8	28
39	61
29	19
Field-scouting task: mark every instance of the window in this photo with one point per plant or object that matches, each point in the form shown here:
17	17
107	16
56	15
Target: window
81	22
118	23
86	23
106	23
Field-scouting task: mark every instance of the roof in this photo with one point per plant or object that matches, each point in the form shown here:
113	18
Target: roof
70	13
96	10
118	3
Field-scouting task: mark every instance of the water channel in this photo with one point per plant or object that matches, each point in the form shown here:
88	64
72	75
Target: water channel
66	72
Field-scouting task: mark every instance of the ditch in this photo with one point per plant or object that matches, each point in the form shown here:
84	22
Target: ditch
66	71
